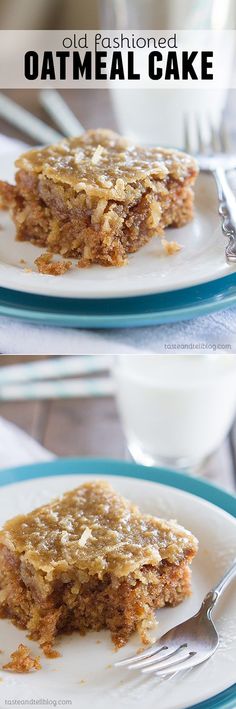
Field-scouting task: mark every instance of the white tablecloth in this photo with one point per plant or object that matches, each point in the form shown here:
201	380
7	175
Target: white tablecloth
201	334
204	335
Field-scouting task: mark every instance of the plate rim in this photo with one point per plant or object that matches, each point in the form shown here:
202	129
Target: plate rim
145	311
107	466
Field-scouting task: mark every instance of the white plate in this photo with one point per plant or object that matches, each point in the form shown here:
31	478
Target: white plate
200	260
84	674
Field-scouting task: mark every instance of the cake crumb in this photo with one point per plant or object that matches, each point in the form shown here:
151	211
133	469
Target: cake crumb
139	650
27	270
170	247
22	660
108	667
82	681
47	266
51	654
23	262
145	646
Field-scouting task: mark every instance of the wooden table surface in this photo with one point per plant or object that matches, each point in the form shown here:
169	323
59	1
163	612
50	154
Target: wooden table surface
91	427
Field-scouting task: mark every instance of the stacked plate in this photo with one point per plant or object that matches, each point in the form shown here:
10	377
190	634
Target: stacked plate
153	288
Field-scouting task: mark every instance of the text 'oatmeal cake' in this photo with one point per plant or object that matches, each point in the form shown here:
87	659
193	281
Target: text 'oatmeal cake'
98	197
91	560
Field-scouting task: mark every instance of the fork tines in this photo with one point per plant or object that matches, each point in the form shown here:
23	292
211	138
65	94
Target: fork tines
167	661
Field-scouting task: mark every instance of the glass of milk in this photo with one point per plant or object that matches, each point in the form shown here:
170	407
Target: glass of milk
157	116
176	410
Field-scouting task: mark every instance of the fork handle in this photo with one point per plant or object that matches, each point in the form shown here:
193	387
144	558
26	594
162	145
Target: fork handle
227	212
212	597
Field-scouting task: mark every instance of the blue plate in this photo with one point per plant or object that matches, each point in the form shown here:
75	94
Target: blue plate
80	466
121	312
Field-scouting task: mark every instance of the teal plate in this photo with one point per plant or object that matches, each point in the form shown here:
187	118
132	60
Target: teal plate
80	466
120	312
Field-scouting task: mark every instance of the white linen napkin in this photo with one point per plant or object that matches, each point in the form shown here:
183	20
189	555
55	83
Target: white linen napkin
203	334
18	448
207	334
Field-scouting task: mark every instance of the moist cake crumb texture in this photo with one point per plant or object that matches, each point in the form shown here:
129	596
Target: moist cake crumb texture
97	197
170	247
22	661
91	560
46	265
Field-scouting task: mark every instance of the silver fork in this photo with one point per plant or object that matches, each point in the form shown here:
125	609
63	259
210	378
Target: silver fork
186	645
213	158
